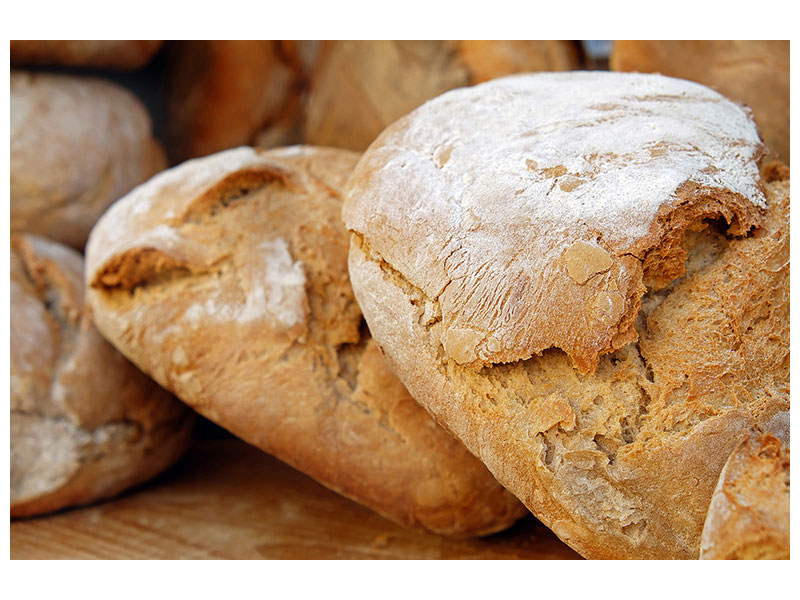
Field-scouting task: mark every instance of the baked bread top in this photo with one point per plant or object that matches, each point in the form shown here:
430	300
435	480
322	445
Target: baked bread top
749	513
77	144
85	423
536	208
225	278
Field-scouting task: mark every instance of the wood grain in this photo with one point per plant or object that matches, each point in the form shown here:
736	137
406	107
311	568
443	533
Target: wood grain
228	500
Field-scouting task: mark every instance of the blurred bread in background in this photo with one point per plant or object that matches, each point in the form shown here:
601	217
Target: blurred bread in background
85	423
357	88
226	93
755	72
125	55
77	144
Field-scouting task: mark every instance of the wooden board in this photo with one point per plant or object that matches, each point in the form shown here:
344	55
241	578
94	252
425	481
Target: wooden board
228	500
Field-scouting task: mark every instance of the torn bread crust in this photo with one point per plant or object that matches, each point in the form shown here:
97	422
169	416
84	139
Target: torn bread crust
488	232
622	462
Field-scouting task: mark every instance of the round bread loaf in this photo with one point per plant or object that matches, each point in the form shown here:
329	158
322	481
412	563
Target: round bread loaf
85	423
357	88
77	144
226	93
584	277
125	55
755	72
749	513
225	279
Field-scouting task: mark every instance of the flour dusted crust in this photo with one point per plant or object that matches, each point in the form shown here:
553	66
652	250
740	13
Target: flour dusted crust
99	54
77	144
358	87
85	423
755	72
534	209
619	454
749	513
226	280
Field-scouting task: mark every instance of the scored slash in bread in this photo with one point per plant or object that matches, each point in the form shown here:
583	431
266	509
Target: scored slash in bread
85	423
749	513
225	279
585	278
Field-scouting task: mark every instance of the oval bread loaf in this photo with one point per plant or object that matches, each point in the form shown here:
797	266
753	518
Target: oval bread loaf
77	144
85	423
225	278
585	278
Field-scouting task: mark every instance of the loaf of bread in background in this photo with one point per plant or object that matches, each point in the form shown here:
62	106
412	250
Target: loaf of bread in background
749	513
226	93
123	55
585	278
225	279
77	144
357	88
755	72
85	423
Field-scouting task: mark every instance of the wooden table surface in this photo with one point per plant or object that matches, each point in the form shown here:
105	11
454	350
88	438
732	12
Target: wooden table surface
226	499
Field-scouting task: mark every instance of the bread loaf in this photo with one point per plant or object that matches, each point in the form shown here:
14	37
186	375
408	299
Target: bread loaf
749	513
124	55
755	72
225	93
225	279
585	278
85	423
77	144
357	88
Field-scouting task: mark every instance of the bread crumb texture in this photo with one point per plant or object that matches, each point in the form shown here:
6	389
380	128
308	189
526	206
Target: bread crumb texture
85	423
603	354
225	279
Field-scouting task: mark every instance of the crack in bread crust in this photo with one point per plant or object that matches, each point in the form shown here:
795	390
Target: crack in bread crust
603	458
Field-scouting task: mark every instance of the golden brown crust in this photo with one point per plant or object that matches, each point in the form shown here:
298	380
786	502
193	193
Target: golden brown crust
226	280
225	93
56	190
755	72
622	462
125	55
525	244
85	423
749	513
358	88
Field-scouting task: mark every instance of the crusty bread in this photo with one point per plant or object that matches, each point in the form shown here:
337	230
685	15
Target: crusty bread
503	238
125	55
357	88
755	72
225	278
85	423
77	144
226	93
749	513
